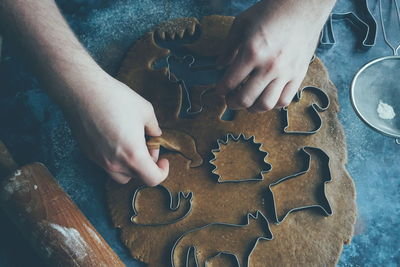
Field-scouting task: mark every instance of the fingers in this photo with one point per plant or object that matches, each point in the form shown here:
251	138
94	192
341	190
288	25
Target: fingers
230	46
152	173
154	153
269	98
251	90
288	93
151	125
119	177
235	74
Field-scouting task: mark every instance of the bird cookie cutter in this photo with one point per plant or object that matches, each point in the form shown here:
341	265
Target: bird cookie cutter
265	235
326	210
231	137
314	110
368	28
188	196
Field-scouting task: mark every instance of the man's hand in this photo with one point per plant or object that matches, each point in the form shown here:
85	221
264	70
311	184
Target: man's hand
268	50
108	118
110	121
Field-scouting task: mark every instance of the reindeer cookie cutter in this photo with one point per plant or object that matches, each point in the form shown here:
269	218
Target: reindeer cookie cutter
232	138
172	207
368	28
326	210
314	110
257	215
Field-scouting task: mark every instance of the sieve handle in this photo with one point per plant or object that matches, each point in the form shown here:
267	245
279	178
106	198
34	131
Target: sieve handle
398	141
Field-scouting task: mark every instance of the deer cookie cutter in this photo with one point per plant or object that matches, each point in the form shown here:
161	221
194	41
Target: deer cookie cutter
265	234
367	28
326	210
232	138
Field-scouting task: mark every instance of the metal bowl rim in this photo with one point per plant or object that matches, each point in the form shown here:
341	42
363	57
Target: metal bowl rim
352	100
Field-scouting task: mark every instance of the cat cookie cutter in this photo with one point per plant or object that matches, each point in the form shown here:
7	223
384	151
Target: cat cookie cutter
232	138
314	110
265	234
368	28
172	207
326	210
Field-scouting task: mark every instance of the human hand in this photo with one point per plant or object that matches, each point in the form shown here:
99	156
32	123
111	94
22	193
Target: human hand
268	50
110	121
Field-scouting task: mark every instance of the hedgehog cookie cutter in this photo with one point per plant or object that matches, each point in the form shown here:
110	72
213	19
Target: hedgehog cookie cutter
172	207
242	260
314	110
326	210
232	138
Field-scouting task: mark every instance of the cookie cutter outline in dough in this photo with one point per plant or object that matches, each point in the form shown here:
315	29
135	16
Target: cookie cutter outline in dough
249	216
315	109
190	60
369	31
231	137
172	208
327	211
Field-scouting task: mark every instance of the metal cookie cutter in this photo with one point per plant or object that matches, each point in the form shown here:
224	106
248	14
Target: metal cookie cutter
368	28
230	137
242	260
326	210
314	110
188	60
376	84
188	196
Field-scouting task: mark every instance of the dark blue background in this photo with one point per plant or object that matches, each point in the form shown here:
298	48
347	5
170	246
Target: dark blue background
34	129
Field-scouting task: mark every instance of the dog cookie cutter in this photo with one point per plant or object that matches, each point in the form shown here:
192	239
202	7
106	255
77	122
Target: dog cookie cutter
326	210
314	110
368	27
172	207
265	234
230	137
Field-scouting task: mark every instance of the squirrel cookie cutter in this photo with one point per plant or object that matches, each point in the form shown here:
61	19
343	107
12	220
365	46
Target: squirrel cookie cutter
257	216
368	28
231	137
327	211
172	207
314	110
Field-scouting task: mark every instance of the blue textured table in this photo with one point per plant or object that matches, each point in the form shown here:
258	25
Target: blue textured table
35	130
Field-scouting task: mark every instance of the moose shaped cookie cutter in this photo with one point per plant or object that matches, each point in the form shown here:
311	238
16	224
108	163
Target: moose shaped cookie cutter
326	210
265	234
314	110
232	138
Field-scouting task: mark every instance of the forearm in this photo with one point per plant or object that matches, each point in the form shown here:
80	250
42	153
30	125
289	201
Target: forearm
60	61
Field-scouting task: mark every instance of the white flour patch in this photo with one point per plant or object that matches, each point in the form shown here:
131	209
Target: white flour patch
94	235
73	241
385	111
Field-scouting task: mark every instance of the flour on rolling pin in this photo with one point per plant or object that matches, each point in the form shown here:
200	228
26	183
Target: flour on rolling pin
385	111
73	241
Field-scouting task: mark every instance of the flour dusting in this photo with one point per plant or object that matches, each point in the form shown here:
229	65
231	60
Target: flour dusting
385	111
72	239
94	235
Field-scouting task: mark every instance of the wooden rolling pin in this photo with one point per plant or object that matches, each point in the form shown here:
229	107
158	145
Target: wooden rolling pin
48	218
